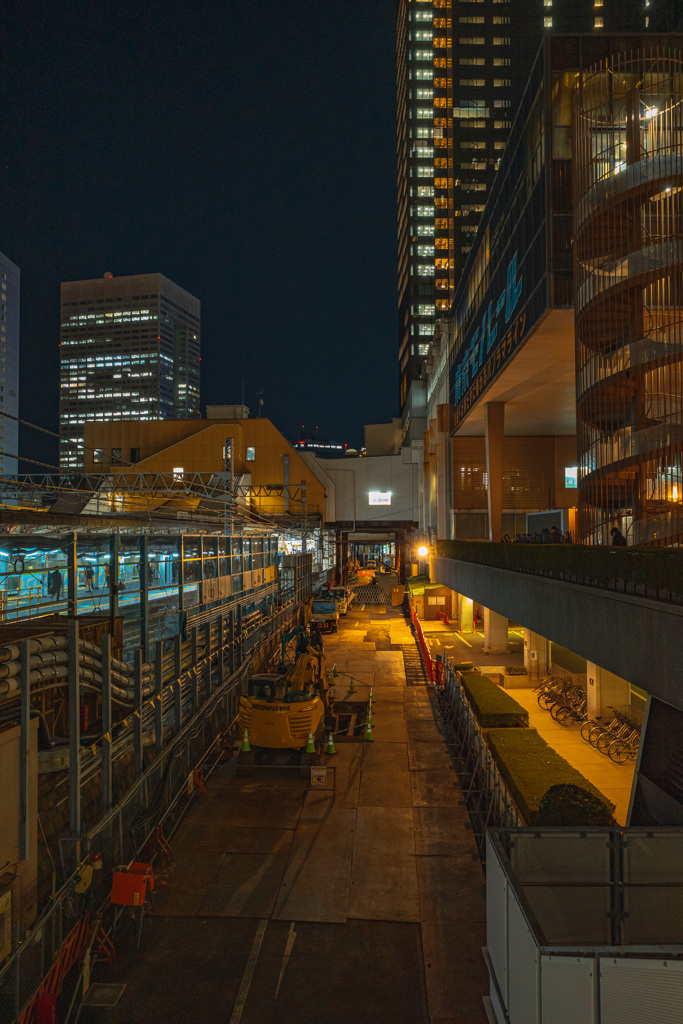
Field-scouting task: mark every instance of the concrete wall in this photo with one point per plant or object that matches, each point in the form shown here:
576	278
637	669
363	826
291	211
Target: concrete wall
21	874
355	478
635	638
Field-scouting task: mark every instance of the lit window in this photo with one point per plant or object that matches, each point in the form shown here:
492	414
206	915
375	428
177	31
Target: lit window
598	23
547	23
251	454
178	472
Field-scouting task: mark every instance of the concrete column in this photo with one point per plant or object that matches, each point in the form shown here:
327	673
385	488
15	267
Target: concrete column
495	632
605	691
536	654
466	614
494	426
443	476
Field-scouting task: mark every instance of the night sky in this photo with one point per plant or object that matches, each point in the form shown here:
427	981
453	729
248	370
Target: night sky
245	151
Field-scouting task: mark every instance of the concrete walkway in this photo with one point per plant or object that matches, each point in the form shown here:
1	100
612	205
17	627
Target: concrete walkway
613	780
292	904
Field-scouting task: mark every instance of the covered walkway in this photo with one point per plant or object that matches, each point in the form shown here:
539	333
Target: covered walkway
612	779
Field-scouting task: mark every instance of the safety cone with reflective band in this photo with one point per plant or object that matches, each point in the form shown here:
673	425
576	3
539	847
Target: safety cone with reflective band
330	745
369	738
310	746
245	742
352	688
372	696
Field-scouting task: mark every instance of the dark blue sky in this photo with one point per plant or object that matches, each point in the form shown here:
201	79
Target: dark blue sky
245	151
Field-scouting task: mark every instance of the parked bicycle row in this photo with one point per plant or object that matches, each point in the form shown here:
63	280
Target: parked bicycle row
567	703
617	739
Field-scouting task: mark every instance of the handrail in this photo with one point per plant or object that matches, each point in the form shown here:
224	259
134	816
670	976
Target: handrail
656	573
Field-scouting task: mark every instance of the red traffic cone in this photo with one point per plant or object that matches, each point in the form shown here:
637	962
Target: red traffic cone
445	620
438	616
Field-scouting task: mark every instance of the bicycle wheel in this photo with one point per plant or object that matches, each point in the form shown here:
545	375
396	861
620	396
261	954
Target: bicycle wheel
595	734
565	716
586	729
544	701
618	751
605	740
557	711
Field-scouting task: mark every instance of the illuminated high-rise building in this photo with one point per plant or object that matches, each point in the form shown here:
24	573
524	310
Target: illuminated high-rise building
129	350
10	279
462	69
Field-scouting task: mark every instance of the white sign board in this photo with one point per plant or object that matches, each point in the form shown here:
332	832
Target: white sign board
379	498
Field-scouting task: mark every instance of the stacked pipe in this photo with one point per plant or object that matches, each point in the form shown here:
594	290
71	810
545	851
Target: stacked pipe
49	660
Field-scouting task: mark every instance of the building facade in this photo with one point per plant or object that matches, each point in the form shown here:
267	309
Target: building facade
558	279
129	350
462	70
628	230
10	281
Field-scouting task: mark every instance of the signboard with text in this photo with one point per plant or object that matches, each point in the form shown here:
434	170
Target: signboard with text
510	308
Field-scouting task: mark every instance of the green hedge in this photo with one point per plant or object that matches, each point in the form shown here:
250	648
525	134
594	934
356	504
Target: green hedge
657	569
492	706
531	768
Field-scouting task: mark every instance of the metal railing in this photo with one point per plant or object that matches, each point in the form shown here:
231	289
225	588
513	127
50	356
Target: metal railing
487	796
644	572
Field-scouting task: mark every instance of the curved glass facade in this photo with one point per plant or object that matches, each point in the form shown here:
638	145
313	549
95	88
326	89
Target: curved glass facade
628	295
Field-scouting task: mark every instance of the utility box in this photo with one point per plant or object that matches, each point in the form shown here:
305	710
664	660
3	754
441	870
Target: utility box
397	595
130	885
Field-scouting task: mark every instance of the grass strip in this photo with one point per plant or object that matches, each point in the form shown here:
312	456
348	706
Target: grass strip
493	708
531	768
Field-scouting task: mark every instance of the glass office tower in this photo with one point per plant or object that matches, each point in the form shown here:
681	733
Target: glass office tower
129	350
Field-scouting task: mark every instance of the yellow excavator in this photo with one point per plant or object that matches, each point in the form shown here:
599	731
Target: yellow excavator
281	709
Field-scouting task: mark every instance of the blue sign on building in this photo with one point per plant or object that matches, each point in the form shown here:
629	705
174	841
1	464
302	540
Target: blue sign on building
490	343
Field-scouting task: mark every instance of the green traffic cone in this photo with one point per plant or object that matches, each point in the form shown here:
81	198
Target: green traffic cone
310	746
245	742
330	745
334	670
372	696
371	720
369	738
352	688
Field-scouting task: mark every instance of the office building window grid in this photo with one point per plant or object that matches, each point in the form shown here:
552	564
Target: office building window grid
129	350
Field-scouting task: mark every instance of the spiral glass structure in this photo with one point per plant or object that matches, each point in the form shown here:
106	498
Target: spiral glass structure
628	297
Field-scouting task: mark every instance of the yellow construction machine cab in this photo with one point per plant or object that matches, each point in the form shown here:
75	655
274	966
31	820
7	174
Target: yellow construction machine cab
267	686
280	712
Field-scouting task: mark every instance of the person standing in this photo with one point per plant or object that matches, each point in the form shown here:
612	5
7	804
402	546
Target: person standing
56	584
618	539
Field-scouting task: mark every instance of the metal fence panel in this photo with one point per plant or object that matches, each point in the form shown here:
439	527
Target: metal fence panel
640	991
568	987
